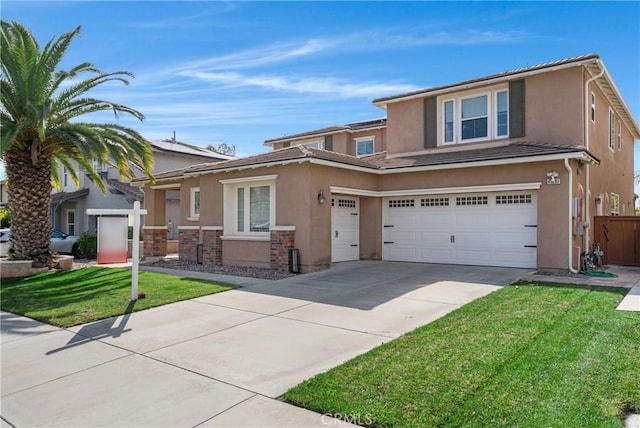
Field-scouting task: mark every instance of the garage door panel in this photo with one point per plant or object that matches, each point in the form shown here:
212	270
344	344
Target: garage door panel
487	229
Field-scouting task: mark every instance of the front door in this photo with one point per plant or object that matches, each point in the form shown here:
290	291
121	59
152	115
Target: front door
345	228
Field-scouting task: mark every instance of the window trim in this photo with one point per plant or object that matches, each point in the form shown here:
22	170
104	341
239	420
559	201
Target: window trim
612	130
359	140
492	118
192	205
230	214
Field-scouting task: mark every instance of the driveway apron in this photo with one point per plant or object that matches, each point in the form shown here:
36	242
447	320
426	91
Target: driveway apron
223	359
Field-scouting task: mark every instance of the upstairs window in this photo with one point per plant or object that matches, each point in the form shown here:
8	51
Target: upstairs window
314	145
475	117
365	146
612	130
593	107
619	135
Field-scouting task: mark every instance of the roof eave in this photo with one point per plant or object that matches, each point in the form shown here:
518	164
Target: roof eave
383	102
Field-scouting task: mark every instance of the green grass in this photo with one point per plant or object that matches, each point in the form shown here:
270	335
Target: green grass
531	355
76	297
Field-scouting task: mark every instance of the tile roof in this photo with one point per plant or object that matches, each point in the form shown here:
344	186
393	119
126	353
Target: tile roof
507	73
355	126
187	149
59	197
379	162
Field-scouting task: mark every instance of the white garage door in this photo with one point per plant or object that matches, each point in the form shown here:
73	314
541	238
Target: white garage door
490	229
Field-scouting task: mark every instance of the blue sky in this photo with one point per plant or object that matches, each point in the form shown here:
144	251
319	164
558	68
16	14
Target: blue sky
244	72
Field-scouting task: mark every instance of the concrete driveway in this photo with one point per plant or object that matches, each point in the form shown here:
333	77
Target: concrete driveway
221	360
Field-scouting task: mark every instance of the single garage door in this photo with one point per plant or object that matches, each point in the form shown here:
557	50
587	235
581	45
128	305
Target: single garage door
489	229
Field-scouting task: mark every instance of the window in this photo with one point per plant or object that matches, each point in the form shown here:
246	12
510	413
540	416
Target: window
472	200
513	199
401	203
612	130
593	107
614	200
249	207
502	114
619	135
434	202
65	177
475	116
71	222
314	145
364	146
195	202
448	122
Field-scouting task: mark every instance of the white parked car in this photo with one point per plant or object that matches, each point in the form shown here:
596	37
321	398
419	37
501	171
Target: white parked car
60	243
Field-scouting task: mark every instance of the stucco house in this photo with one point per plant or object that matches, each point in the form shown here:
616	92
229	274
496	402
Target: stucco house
503	170
70	202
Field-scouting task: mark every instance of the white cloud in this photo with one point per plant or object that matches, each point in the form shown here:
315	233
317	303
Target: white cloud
309	85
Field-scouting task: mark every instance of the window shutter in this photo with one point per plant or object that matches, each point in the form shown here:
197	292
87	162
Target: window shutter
516	108
430	122
328	142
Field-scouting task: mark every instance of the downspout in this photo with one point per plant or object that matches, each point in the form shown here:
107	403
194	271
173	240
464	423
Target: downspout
570	224
587	190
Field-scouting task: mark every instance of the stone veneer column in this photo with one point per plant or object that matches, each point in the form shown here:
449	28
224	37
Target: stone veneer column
282	240
188	240
212	245
155	241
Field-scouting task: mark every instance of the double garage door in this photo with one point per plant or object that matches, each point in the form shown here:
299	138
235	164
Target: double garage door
490	229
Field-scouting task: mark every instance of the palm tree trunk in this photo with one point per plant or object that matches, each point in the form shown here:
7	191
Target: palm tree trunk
29	192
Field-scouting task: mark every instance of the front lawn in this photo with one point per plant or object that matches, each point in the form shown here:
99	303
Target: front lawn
84	295
529	355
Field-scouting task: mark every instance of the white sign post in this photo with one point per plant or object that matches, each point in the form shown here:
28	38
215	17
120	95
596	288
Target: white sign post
135	250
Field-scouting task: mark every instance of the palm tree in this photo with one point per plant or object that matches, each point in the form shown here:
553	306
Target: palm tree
40	129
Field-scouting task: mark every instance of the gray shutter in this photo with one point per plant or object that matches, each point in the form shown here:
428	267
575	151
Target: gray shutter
328	142
430	123
516	108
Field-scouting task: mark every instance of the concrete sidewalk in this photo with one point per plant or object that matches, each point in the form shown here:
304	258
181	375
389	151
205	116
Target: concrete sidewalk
224	359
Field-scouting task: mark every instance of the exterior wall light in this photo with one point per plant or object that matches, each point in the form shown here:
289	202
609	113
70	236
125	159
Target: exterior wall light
321	197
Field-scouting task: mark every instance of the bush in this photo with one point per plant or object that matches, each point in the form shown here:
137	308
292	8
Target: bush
5	218
88	244
130	233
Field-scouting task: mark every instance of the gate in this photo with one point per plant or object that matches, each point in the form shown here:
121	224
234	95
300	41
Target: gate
619	238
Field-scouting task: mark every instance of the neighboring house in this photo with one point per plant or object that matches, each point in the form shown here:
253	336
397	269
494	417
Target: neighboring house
69	204
503	170
4	196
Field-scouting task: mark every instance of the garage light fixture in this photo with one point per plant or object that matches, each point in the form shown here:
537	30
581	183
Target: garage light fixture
321	197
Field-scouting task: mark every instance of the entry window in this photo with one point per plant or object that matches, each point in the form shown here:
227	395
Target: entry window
71	222
614	200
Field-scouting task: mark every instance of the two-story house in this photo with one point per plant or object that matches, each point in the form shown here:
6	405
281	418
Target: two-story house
503	170
70	202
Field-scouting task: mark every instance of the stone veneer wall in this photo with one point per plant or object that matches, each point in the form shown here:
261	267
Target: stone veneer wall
212	247
155	242
188	240
281	242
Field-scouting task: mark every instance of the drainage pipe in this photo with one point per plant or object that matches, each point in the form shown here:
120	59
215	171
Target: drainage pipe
587	190
569	223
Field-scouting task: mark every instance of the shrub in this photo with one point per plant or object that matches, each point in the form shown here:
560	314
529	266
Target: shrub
88	244
130	233
5	218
